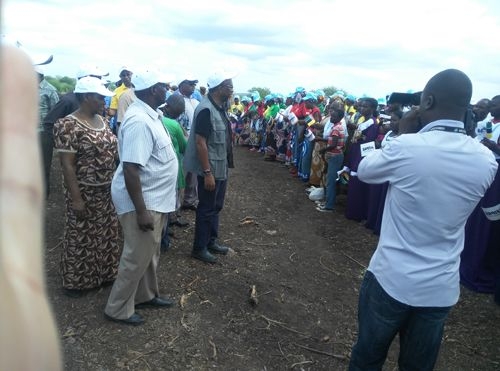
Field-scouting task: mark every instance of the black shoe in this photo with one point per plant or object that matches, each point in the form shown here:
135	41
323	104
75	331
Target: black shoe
188	207
180	223
204	255
156	302
134	320
218	249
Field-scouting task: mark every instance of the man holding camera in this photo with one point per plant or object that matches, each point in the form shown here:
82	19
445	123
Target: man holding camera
437	175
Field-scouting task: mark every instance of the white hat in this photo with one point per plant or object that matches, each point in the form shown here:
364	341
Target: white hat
91	84
89	70
218	77
147	78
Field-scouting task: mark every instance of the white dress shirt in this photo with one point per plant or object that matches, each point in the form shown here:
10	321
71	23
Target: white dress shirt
436	179
143	140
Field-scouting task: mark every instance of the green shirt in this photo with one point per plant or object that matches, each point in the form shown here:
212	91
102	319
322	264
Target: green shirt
179	142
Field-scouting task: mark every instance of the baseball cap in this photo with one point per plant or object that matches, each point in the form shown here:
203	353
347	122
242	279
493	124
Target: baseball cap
189	78
89	70
218	77
124	68
147	78
89	84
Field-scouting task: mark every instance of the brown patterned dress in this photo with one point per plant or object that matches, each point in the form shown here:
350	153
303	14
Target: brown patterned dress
90	250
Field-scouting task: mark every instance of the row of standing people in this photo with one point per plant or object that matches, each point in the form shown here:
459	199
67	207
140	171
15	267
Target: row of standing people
142	190
334	152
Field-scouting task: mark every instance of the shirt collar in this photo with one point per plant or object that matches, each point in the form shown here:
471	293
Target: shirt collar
451	123
154	114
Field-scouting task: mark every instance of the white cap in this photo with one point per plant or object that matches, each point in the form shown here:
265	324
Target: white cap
89	70
218	77
91	84
147	78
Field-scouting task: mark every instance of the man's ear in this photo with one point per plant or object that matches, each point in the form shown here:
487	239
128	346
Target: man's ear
428	102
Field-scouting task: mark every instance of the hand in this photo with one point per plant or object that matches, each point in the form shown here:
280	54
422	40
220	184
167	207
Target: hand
79	209
209	182
145	221
488	143
410	122
24	298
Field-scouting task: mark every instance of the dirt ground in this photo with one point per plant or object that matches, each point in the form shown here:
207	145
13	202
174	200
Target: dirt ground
306	268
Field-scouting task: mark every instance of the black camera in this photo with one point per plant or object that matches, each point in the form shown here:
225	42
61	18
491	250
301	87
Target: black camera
405	99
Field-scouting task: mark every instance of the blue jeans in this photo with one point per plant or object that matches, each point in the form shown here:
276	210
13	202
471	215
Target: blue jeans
207	213
334	164
381	317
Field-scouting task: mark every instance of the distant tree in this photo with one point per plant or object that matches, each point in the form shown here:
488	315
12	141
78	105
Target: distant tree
63	84
329	90
262	91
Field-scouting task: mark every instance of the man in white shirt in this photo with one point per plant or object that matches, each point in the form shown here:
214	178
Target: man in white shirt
143	192
436	176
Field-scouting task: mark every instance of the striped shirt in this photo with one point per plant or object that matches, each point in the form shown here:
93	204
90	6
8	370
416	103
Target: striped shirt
144	141
339	133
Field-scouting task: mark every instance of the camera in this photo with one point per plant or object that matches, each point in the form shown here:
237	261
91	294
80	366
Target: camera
405	99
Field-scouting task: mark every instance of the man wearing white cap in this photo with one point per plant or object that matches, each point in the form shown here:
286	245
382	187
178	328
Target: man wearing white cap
209	155
143	191
66	105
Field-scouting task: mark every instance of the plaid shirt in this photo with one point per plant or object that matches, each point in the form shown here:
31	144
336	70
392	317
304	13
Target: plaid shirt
337	131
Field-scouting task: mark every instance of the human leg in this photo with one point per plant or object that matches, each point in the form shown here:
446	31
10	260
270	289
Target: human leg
205	213
379	318
420	338
147	288
334	164
214	246
139	249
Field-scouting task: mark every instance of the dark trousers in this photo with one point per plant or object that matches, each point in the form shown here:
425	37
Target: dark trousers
47	147
381	317
207	213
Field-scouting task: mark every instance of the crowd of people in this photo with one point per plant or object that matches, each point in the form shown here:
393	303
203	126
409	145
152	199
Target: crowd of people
153	149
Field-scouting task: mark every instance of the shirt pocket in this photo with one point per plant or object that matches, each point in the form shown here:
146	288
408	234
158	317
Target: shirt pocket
164	151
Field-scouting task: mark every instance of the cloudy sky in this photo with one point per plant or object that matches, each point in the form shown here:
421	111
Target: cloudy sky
362	46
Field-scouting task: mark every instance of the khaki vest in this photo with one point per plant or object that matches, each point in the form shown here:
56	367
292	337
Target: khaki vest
216	144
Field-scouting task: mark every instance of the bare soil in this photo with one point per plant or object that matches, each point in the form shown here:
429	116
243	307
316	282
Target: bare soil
305	266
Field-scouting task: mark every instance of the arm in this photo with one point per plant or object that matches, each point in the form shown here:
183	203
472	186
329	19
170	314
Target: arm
202	132
202	151
380	165
494	147
134	188
335	140
68	164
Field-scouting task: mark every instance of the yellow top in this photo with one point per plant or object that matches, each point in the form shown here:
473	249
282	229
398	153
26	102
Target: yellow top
118	92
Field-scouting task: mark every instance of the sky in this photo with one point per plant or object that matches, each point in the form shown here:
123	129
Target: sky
363	47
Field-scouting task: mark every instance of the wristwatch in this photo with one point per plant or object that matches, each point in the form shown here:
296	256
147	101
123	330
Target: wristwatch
207	171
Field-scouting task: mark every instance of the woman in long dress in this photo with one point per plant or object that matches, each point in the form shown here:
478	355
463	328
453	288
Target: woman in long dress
88	152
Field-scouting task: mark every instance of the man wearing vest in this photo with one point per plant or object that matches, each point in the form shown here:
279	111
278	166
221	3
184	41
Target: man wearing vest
209	154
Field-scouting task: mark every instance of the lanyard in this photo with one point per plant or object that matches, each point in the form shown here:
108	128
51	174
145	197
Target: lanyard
449	129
